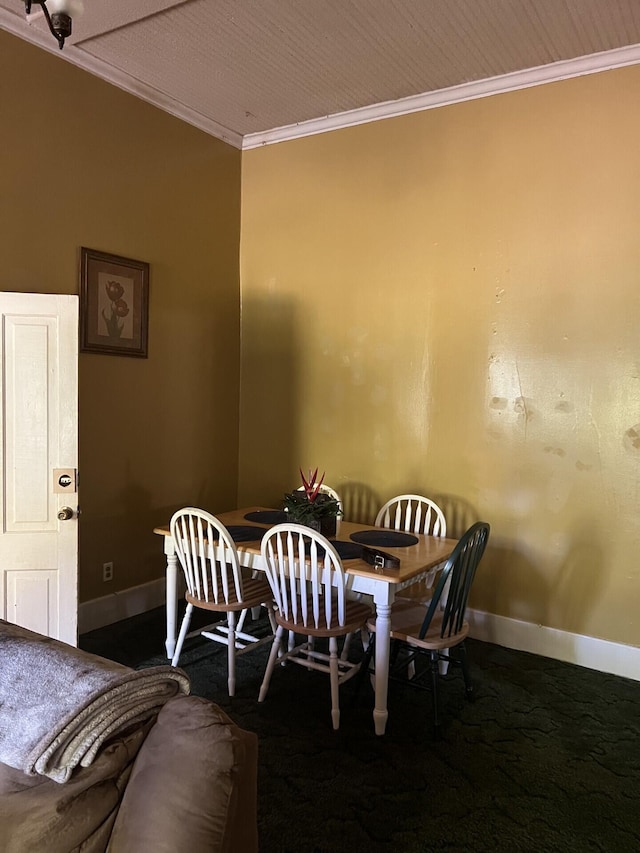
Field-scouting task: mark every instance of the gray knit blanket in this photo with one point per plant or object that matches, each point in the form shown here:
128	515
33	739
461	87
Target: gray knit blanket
59	705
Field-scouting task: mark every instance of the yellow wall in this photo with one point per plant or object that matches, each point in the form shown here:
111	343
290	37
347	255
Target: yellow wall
445	302
449	303
84	164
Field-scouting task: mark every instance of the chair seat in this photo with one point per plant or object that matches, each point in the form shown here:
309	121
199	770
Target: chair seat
209	571
255	592
356	615
302	566
406	620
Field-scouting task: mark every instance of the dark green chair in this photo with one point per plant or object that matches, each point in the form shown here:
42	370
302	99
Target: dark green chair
436	630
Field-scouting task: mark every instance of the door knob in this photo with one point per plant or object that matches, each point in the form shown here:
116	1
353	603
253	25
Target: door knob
65	513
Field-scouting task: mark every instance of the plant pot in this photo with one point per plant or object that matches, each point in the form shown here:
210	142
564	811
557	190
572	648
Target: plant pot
297	509
326	526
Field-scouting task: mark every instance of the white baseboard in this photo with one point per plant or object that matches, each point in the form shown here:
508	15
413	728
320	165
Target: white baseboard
591	652
120	605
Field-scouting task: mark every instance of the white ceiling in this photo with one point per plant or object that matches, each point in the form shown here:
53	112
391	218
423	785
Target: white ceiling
258	71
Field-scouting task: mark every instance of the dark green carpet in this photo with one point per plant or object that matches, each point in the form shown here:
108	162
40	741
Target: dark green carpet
547	758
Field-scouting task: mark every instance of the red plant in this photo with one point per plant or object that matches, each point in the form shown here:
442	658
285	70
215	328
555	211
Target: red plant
311	487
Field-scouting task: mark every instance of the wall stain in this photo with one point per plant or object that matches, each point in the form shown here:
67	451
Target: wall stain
523	406
632	438
557	451
499	403
564	406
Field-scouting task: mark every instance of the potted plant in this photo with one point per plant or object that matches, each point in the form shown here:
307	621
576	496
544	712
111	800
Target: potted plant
312	507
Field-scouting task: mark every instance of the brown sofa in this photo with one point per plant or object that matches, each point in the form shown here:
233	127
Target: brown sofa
185	781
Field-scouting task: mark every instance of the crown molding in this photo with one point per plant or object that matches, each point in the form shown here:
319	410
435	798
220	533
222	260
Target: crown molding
79	57
552	73
155	97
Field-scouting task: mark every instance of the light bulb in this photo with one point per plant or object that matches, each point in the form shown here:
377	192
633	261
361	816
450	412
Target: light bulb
72	8
58	14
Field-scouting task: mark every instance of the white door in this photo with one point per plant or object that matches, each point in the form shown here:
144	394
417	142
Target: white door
39	429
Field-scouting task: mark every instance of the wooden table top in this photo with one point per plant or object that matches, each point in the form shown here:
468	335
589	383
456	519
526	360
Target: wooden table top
429	552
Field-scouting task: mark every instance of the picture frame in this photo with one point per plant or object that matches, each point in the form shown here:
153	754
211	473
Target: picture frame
114	304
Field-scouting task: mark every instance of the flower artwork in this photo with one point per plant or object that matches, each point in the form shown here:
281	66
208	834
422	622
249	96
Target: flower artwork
312	507
119	309
114	304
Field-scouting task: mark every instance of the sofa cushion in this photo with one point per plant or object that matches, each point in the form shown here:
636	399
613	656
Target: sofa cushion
59	705
193	785
39	815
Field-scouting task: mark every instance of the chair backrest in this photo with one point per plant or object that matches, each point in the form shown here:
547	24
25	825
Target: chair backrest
208	556
412	513
461	569
306	575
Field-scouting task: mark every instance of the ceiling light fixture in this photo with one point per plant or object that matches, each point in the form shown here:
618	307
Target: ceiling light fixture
59	19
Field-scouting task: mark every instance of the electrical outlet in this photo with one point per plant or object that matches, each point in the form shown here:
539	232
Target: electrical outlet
107	572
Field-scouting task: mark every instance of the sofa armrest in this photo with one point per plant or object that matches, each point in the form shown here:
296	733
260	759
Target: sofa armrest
193	785
42	816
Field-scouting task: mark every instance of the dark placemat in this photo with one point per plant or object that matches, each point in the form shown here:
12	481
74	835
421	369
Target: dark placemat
267	516
245	533
384	538
346	550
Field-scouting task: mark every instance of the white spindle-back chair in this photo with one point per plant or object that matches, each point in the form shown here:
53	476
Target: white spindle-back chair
214	581
413	514
308	583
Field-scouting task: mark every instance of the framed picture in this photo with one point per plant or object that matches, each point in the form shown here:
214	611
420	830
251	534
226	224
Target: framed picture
114	304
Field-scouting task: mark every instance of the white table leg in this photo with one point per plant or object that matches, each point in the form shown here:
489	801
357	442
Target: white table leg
171	595
383	625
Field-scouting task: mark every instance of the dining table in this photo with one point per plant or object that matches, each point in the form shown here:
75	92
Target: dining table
419	556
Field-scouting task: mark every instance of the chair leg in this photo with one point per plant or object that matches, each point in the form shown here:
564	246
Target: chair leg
395	648
240	623
464	662
346	646
311	643
335	684
366	661
272	618
443	664
435	676
255	611
273	656
186	621
231	652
